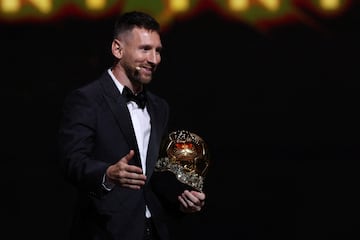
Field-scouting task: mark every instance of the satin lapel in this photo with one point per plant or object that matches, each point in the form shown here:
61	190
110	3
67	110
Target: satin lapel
121	113
155	138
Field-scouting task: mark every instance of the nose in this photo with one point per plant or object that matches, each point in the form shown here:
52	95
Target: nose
154	57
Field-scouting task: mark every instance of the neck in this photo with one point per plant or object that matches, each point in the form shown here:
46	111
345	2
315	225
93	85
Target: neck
125	81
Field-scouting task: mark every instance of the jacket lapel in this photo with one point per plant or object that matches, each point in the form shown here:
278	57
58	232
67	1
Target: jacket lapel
155	138
121	113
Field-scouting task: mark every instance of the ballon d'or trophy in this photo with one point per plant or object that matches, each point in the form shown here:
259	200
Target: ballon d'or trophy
186	156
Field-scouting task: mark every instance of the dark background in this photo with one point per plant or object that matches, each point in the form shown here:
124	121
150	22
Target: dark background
279	110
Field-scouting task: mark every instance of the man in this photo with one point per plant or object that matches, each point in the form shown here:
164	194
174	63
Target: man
109	142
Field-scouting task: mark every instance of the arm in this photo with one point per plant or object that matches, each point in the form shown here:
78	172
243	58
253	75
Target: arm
76	143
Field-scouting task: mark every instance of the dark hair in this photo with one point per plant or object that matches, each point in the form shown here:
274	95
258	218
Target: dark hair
130	20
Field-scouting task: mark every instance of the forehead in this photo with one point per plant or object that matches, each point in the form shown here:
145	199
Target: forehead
143	36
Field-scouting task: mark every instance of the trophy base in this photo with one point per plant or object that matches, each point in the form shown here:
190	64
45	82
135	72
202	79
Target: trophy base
169	186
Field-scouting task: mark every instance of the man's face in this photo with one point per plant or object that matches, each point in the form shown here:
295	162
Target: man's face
141	54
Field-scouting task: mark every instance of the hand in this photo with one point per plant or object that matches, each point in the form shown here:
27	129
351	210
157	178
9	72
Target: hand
191	201
126	175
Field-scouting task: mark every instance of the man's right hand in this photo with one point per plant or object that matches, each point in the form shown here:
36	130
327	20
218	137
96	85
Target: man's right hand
126	175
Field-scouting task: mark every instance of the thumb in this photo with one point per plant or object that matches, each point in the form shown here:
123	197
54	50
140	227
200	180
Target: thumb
128	156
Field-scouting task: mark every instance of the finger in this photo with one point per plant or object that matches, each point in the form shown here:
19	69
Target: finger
189	196
128	156
137	176
134	174
132	183
194	198
182	201
136	187
188	206
127	167
200	195
133	171
188	202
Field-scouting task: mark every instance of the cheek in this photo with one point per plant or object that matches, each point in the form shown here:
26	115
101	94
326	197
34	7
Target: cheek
158	59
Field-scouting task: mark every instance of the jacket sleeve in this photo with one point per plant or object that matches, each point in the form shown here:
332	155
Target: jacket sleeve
76	139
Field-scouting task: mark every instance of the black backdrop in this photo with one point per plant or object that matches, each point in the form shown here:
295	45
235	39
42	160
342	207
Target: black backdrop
279	110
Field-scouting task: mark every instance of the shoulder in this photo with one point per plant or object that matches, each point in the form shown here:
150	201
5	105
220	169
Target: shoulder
91	90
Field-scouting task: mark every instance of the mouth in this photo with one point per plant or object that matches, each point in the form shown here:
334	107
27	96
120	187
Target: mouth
147	70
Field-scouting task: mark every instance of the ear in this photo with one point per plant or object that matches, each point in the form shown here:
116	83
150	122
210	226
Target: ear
117	49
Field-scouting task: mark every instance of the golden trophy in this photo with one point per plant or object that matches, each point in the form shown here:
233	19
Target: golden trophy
186	156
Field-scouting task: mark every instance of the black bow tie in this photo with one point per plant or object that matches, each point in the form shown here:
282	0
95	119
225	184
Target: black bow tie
139	98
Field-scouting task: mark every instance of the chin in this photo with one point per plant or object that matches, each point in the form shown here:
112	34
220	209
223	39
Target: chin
145	80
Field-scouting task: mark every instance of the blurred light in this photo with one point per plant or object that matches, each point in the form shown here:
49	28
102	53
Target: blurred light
251	11
330	4
10	6
271	5
95	4
44	6
238	5
179	5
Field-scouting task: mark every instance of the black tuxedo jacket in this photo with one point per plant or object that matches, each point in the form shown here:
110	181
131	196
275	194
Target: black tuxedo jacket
96	131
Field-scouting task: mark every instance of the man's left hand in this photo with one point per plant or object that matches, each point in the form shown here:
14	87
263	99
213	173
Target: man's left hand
191	201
